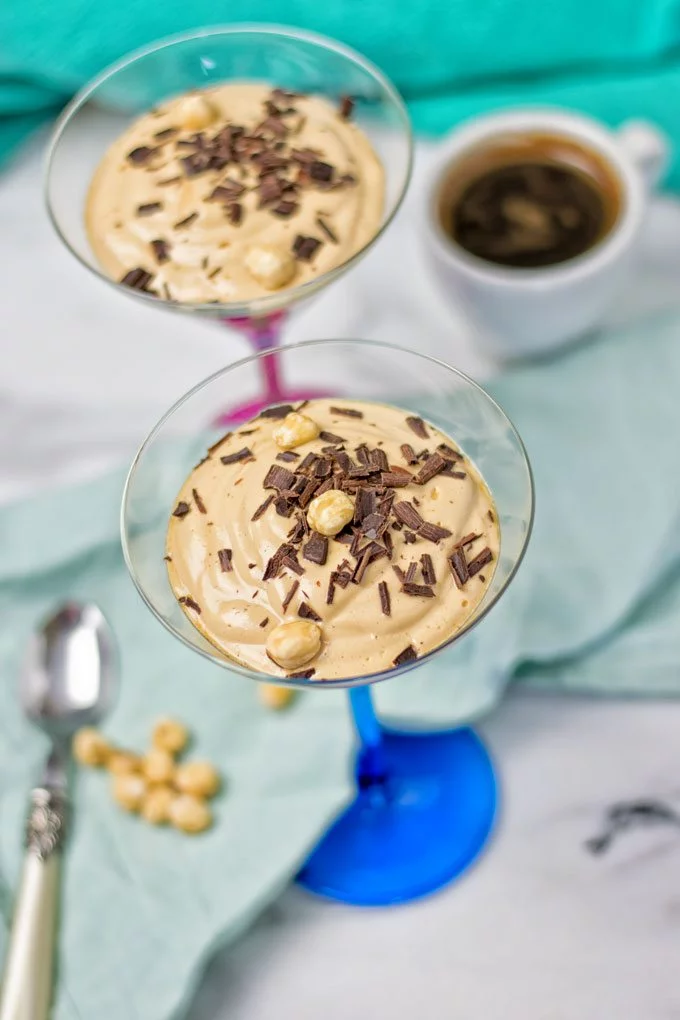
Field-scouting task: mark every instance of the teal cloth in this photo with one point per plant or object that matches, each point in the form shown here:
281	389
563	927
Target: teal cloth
451	58
594	608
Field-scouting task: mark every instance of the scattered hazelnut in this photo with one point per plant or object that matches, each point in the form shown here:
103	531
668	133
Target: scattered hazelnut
294	430
197	777
170	735
270	266
158	766
330	512
129	791
190	814
275	697
293	644
195	112
122	763
90	747
155	807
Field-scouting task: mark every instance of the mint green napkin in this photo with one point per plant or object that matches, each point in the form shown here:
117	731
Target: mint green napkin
594	608
451	60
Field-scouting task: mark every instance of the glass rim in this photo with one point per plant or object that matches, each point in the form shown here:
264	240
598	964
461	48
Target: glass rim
266	304
345	682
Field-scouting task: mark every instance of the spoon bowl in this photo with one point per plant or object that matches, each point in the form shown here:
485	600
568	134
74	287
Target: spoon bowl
70	669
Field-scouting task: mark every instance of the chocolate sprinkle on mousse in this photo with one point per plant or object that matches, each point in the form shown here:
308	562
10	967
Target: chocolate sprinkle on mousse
190	603
305	248
330	437
408	515
417	425
289	596
459	568
484	557
432	532
263	623
262	508
225	558
325	229
186	221
346	107
409	654
288	456
234	458
149	208
427	566
138	279
384	593
181	510
302	674
279	411
307	613
432	466
161	250
141	155
396	479
418	589
200	505
316	549
278	478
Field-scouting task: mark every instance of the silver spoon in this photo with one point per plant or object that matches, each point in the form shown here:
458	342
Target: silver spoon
68	681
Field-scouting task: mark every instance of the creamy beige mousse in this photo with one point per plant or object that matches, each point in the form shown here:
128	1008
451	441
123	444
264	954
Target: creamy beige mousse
332	542
232	193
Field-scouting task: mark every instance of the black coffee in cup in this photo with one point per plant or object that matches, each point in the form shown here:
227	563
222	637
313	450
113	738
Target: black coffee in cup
528	200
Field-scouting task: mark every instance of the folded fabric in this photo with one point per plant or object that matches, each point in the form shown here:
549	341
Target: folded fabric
594	608
451	60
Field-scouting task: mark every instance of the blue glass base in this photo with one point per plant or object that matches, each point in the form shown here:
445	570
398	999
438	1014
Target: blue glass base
410	833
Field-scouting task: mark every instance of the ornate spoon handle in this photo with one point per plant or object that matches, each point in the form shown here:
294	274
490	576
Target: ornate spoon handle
27	986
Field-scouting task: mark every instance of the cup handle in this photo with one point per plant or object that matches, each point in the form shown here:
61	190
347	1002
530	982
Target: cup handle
648	147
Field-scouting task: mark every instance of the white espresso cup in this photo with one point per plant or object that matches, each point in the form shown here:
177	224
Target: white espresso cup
521	311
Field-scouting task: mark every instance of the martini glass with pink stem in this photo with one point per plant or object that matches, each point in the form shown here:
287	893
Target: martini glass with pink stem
283	57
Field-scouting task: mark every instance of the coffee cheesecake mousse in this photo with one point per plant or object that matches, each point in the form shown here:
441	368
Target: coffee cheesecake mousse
333	540
232	193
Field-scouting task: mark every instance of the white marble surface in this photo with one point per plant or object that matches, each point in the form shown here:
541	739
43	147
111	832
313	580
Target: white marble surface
540	930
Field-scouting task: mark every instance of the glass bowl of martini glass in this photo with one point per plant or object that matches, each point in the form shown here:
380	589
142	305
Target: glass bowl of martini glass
230	173
341	544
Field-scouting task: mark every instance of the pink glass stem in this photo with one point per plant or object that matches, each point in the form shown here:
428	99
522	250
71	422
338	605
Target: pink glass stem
262	334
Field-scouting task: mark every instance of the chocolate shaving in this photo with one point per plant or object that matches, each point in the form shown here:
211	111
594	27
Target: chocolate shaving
200	505
330	437
302	674
138	279
387	542
449	453
468	539
316	549
432	466
149	208
225	558
489	514
165	133
407	655
384	594
181	510
484	557
324	487
347	412
141	155
409	454
401	576
262	508
410	575
373	525
362	566
408	515
409	537
346	107
287	456
307	613
290	561
226	192
283	507
427	566
278	478
186	221
216	445
289	597
364	505
423	590
395	479
305	248
325	229
161	250
234	458
417	425
263	623
279	411
168	180
235	213
432	532
190	603
275	562
330	592
322	468
459	567
320	171
379	460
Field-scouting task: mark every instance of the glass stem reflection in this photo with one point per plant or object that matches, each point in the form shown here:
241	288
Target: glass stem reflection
371	768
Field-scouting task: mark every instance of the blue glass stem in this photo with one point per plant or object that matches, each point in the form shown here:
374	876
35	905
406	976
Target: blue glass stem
371	768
